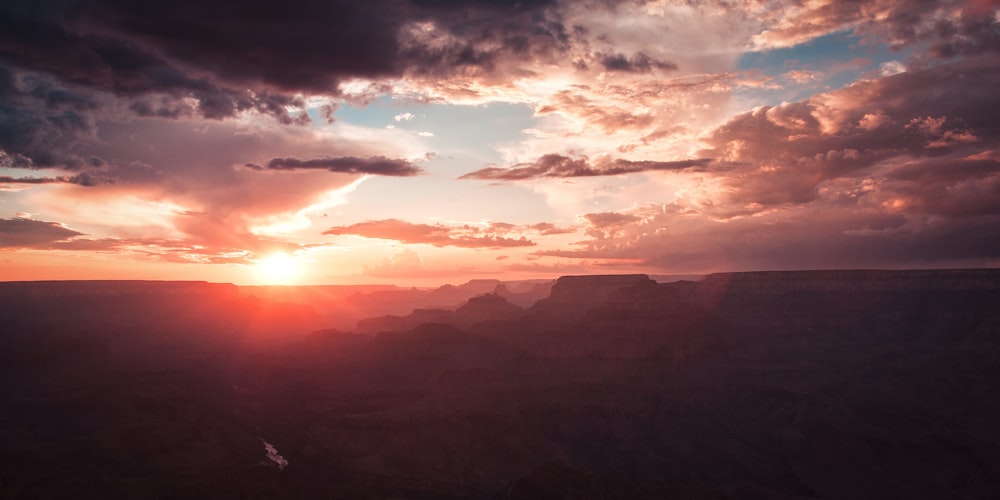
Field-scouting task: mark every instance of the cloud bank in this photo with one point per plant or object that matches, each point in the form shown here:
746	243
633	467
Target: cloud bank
681	135
466	236
553	165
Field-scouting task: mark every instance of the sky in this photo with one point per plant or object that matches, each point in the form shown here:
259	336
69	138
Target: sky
422	142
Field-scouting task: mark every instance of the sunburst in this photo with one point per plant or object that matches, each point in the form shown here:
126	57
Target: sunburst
278	268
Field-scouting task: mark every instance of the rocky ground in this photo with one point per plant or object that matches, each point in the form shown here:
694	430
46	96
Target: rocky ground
839	384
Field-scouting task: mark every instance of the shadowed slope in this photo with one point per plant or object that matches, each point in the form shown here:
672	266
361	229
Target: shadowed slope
825	384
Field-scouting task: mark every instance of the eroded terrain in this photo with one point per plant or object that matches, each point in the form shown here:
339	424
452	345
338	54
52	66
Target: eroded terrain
832	384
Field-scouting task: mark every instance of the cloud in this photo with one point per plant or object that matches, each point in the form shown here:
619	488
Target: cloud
486	40
87	179
187	59
898	171
149	112
945	29
30	233
784	154
200	50
40	121
69	65
466	236
593	111
637	63
131	47
27	233
548	229
184	180
405	263
609	219
7	180
171	59
826	235
553	165
378	165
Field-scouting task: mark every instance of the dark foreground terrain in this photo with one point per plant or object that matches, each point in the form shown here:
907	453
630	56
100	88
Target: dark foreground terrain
778	385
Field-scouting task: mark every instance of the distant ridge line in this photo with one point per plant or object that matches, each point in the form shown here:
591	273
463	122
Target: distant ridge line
867	279
605	279
107	287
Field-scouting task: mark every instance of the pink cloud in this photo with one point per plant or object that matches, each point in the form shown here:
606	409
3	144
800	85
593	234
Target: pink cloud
783	154
899	171
437	235
553	165
946	28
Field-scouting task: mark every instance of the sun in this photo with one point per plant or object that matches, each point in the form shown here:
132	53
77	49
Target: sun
278	268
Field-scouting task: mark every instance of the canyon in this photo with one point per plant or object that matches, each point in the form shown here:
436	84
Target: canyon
787	384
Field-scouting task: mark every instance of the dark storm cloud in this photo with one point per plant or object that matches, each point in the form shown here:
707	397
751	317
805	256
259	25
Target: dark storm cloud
485	39
451	5
40	121
162	108
942	28
972	32
637	63
77	46
231	56
214	50
953	187
41	124
971	35
29	180
65	64
377	165
136	46
495	236
14	161
29	233
553	165
82	179
41	139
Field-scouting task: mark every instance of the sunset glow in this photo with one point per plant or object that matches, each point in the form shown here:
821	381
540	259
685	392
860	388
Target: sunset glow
278	269
518	139
509	249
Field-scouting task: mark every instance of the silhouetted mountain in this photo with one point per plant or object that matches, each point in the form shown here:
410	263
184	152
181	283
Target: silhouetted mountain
522	296
62	305
392	323
773	385
342	306
574	295
487	307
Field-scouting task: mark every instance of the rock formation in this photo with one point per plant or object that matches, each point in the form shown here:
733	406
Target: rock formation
772	385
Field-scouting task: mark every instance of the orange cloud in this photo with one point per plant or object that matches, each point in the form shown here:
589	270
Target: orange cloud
437	235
